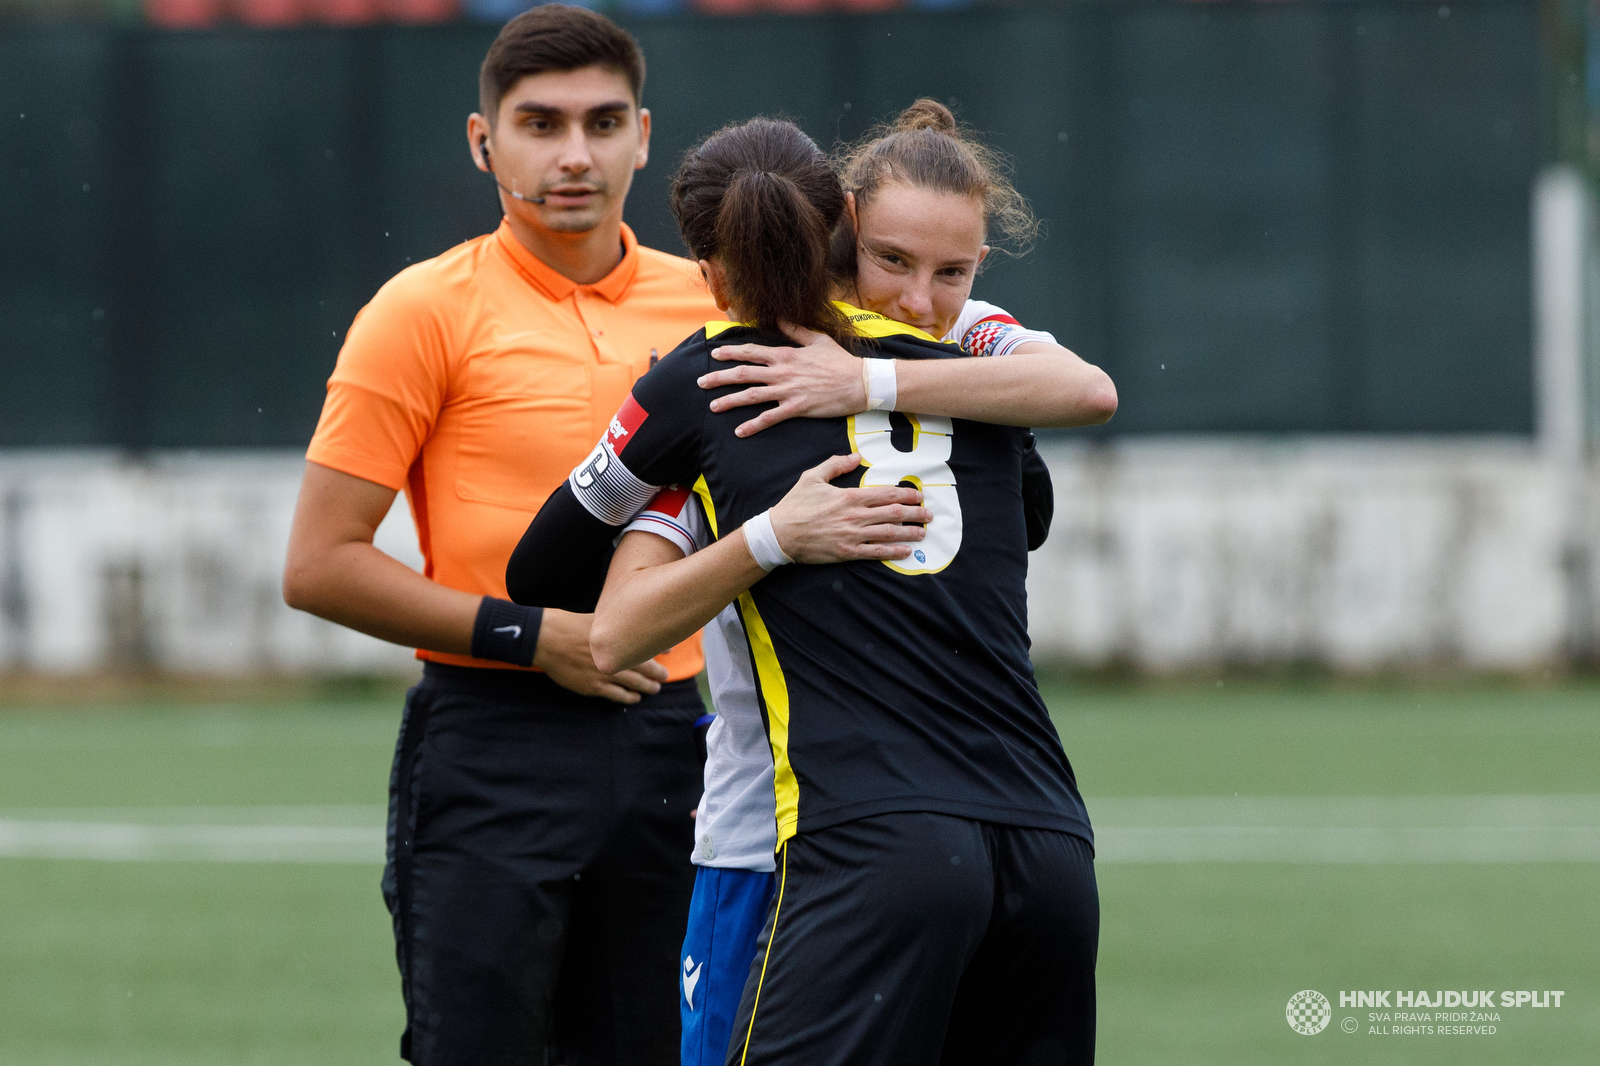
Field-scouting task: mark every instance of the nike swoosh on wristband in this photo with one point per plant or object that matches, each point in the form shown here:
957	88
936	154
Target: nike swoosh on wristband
515	631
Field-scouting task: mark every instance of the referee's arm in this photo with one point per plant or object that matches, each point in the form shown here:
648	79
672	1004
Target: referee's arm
334	571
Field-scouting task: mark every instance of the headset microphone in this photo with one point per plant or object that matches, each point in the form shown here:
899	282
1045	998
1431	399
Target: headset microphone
483	146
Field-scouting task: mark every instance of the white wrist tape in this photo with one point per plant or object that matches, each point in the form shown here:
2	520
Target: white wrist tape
879	376
763	542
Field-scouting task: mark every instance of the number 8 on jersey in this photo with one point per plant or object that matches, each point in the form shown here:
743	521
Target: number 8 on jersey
926	466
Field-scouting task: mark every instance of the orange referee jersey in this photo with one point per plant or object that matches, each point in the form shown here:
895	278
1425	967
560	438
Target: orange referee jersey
477	380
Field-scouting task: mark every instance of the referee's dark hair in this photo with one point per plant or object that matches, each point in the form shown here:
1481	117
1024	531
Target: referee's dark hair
556	37
761	198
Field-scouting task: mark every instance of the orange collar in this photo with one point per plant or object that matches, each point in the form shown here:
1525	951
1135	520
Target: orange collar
557	286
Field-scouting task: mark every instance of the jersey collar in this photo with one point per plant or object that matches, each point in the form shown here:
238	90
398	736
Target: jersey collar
866	323
872	324
559	287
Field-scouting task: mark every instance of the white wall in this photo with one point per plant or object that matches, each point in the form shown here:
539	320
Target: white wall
1185	552
1166	553
204	533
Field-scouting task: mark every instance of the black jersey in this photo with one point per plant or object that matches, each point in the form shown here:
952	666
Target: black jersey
902	685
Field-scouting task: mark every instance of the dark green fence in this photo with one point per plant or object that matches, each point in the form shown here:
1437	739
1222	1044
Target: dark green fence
1289	218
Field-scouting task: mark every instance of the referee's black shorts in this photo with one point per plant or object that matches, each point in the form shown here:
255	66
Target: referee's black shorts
539	872
917	939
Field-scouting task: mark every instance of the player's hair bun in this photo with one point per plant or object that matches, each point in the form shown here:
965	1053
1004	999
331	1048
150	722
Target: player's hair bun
926	114
925	147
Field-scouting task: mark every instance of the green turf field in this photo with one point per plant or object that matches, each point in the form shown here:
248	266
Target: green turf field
165	949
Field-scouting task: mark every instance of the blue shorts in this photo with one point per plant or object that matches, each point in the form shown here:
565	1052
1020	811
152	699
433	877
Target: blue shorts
726	915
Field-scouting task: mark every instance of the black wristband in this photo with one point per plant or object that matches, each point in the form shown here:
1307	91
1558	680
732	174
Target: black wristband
506	632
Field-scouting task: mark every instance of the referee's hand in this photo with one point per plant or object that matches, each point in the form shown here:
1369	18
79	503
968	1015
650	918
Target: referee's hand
816	522
820	380
563	653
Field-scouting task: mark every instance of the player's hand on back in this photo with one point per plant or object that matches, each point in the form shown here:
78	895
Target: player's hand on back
820	380
817	522
563	653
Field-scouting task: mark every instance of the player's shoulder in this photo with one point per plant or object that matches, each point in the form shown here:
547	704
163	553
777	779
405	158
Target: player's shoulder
886	338
680	369
975	311
903	346
675	514
696	347
985	329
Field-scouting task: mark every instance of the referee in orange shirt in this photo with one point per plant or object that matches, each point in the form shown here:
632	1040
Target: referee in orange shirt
539	827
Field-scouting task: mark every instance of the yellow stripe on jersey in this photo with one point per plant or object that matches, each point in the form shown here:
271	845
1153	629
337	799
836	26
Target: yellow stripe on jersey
702	490
866	323
775	693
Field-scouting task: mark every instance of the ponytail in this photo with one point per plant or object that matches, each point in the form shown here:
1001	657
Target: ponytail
761	198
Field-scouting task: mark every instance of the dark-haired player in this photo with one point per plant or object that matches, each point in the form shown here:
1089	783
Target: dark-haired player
936	895
538	808
927	198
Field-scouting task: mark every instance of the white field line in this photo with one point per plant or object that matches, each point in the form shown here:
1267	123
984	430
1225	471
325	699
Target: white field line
1150	844
312	834
1294	829
1348	829
332	814
121	841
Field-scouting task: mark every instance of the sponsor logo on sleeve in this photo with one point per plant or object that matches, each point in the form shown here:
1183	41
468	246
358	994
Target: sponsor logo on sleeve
670	501
624	423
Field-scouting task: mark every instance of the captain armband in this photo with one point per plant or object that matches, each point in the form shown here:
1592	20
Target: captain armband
607	489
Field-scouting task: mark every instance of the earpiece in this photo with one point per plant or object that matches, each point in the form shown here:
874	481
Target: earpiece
483	146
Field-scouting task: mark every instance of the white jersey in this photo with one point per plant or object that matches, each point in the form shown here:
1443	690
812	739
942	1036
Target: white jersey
736	827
